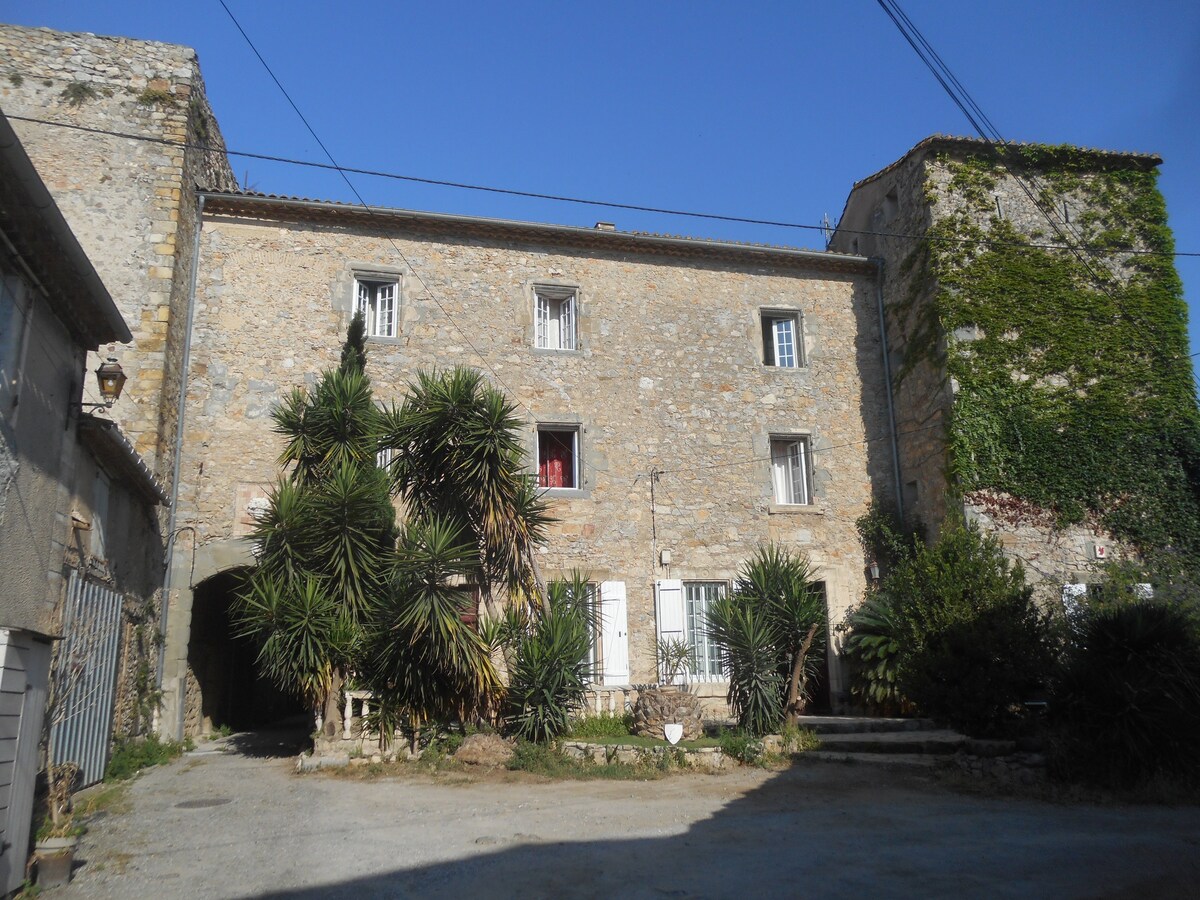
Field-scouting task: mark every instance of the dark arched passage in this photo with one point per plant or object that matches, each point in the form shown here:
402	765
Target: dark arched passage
232	693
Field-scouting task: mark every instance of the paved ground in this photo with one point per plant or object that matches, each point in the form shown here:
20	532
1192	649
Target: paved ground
245	826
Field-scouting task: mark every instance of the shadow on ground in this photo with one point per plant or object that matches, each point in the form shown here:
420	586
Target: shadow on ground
806	834
287	737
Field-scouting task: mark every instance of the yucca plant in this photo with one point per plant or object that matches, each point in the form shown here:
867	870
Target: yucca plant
549	668
423	661
325	544
459	453
770	632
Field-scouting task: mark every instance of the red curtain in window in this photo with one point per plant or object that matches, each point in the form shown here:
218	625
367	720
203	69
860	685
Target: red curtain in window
556	464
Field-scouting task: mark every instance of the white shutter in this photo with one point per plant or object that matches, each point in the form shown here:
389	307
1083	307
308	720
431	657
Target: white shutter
669	609
543	321
614	624
670	612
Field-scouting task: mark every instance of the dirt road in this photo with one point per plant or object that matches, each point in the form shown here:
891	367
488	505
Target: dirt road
238	826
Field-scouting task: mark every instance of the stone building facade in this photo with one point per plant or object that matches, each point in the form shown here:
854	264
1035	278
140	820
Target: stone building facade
656	378
126	183
929	216
674	391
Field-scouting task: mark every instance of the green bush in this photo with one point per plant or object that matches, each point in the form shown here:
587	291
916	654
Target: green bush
744	747
605	724
1126	706
953	629
548	668
873	650
131	755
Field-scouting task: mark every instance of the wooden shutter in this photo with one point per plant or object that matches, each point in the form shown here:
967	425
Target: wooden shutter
614	618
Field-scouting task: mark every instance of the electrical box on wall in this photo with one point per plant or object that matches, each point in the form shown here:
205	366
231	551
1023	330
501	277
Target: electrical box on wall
1099	551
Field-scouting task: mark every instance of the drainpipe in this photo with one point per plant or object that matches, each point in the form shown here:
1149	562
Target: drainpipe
172	530
887	381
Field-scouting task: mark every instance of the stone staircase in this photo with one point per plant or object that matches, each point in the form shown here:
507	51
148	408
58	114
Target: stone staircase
907	742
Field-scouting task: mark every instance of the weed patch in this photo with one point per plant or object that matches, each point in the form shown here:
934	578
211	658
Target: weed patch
131	755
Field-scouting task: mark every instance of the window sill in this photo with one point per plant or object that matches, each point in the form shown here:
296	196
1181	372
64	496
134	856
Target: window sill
380	339
767	368
795	509
566	493
551	351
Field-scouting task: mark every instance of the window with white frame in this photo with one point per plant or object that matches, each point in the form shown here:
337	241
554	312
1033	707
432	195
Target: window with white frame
782	339
790	475
378	300
558	456
698	597
555	314
383	459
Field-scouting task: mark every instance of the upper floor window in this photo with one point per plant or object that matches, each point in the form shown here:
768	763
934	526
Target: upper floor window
377	300
782	339
558	456
555	315
790	475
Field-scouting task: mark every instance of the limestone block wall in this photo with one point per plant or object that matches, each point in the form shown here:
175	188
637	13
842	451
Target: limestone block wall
130	202
668	376
880	219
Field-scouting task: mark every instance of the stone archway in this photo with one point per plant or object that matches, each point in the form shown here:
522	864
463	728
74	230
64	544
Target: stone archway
208	677
225	688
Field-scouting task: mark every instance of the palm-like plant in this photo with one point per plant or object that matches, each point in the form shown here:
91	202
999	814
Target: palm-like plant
874	650
549	666
326	541
459	455
423	661
770	634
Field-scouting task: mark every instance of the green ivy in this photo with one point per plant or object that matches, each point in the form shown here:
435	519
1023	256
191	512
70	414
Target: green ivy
1075	392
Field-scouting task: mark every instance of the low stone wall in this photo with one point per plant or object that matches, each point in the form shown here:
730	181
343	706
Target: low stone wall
1001	762
707	758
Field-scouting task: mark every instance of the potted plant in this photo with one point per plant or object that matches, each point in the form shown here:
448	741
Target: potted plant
54	848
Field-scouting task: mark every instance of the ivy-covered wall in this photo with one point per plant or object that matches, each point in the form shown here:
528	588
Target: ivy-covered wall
1073	390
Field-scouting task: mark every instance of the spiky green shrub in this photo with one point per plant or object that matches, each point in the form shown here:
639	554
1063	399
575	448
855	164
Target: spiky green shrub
1126	706
325	543
873	650
548	666
423	661
770	633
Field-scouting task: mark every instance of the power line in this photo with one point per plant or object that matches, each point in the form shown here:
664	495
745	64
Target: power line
1000	147
560	198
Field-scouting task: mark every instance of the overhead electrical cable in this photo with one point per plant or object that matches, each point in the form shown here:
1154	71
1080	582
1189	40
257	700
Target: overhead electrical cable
559	198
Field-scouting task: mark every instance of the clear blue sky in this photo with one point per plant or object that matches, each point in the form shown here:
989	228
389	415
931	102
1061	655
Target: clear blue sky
767	110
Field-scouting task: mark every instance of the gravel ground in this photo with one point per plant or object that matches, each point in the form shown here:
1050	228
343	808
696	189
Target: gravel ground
244	825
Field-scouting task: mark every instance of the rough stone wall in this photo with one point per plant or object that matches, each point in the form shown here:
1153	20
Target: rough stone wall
921	196
669	376
878	220
127	200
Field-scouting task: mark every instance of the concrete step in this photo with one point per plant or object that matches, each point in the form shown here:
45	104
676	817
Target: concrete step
864	724
897	760
937	742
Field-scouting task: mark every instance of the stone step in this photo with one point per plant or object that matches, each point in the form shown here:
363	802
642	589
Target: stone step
898	760
864	724
939	742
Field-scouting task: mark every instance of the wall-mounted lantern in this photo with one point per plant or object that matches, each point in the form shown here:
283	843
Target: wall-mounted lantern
111	379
